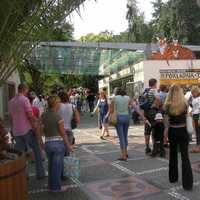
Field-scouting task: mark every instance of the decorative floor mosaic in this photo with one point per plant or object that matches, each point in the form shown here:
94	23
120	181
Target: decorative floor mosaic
130	188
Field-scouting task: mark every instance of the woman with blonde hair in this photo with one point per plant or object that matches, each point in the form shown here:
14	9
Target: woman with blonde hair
195	115
176	108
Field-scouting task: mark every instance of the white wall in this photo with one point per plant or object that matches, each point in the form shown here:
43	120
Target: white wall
13	79
152	67
148	69
139	72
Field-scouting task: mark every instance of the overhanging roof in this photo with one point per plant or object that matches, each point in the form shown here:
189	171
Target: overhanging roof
90	57
110	45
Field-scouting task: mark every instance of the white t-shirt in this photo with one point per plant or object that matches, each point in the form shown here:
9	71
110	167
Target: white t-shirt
73	99
39	104
66	112
187	97
196	105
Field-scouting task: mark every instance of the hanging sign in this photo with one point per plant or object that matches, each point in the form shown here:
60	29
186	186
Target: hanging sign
180	76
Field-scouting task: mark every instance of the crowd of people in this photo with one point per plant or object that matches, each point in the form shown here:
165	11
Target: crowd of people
31	118
39	124
165	112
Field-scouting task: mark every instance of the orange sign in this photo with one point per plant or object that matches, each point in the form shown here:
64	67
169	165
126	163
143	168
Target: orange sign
180	76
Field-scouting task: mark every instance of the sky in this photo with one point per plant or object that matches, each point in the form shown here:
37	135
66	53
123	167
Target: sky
105	15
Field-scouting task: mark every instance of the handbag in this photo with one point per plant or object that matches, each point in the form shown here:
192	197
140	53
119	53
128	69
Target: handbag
112	119
189	124
72	166
73	121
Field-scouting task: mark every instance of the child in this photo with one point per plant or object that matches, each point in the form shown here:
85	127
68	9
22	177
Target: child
158	135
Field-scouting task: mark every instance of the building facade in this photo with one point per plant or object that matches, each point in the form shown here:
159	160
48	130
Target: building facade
7	91
135	78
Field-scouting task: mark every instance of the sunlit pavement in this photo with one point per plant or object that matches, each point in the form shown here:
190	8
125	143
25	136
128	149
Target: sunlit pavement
105	178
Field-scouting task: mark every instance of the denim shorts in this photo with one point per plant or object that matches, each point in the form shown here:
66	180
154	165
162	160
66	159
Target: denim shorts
103	119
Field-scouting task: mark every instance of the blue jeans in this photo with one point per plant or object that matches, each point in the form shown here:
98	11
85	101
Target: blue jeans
29	140
122	130
55	153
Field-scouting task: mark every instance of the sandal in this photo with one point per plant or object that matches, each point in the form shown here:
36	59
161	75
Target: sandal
102	138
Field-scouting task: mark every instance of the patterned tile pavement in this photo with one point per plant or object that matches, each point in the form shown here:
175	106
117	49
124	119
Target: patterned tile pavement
105	178
124	189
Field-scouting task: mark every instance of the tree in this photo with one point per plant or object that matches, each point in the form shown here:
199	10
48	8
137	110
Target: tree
132	17
185	21
177	19
138	30
161	22
122	37
157	5
23	23
104	36
157	15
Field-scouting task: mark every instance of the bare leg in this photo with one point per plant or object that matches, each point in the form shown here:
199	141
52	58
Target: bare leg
126	153
106	129
165	136
103	130
147	139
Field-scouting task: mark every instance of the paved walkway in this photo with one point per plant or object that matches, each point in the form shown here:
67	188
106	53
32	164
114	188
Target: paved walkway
104	178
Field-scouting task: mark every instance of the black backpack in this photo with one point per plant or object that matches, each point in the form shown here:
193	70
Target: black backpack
144	100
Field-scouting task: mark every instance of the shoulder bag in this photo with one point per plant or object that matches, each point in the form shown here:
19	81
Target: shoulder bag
74	120
113	116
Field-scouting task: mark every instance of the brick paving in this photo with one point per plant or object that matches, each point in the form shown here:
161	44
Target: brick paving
105	178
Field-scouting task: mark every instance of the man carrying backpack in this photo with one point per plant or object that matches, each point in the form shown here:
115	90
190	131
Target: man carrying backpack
150	103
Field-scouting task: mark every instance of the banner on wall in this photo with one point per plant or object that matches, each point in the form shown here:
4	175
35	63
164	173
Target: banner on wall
180	76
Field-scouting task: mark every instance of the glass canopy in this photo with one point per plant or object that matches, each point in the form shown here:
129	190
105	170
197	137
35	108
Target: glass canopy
79	60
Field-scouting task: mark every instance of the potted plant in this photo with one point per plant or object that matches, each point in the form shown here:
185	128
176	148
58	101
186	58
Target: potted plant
12	169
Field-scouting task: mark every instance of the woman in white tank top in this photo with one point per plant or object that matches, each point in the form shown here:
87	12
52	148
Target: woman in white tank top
66	112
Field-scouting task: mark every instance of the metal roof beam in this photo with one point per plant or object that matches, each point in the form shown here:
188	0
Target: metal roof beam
110	45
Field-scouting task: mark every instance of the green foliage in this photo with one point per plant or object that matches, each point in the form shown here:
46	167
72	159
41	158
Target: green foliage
177	19
85	81
185	21
158	7
53	27
138	30
122	37
104	36
161	21
26	22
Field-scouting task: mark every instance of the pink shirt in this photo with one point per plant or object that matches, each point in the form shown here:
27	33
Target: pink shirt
19	106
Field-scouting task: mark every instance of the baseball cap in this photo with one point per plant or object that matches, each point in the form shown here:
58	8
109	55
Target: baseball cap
158	116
